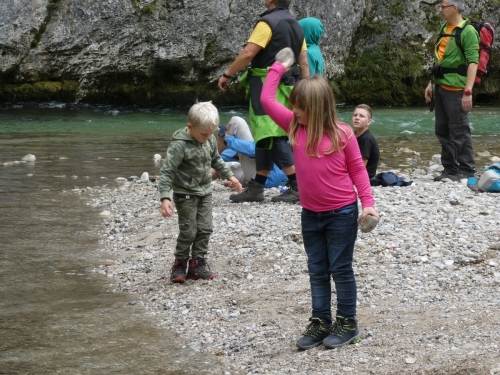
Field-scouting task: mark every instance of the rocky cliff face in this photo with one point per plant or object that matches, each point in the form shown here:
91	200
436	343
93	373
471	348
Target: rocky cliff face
170	52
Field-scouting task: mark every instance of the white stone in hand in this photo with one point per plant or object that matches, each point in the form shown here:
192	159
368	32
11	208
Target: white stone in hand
286	57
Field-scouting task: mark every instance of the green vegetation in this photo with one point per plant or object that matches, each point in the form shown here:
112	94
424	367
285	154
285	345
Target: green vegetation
383	75
52	7
433	19
39	91
147	9
150	8
210	48
124	90
374	26
398	8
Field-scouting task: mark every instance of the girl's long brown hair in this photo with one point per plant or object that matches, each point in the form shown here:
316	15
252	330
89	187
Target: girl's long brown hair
314	96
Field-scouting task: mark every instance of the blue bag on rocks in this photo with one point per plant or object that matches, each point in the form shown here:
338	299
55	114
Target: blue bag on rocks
388	179
489	180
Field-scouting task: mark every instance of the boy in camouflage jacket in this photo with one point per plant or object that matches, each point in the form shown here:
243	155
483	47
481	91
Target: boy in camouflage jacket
186	175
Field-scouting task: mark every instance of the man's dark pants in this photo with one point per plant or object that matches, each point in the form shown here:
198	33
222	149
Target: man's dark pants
453	131
195	225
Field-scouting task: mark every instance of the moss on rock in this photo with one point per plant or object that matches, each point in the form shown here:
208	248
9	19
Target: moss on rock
124	92
64	91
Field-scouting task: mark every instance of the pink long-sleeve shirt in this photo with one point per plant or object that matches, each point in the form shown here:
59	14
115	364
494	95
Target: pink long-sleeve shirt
325	183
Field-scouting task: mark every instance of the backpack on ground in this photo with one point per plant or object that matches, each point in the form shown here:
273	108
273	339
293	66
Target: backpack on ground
486	34
489	180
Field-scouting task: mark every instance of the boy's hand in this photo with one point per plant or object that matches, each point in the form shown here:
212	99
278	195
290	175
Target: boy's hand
235	185
286	57
167	208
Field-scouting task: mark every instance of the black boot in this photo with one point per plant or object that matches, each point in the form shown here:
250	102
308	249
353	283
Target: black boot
314	334
254	192
291	194
178	271
344	332
199	269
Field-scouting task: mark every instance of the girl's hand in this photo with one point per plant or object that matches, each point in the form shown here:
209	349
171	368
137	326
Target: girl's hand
167	208
369	211
285	57
235	185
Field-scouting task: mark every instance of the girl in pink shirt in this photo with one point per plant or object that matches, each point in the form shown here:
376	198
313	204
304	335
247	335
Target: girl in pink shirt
328	165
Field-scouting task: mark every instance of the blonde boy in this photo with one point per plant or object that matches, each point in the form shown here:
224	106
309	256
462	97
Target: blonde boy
368	146
186	175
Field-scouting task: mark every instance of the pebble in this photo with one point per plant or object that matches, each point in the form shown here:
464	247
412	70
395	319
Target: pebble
29	157
427	278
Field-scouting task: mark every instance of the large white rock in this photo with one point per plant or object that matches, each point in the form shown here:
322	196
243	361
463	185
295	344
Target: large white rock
436	159
145	177
29	157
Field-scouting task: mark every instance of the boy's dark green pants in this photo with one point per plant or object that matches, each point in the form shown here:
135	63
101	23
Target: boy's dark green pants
195	225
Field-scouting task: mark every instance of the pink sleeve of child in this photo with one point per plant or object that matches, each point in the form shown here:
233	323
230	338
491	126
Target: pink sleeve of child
280	114
357	170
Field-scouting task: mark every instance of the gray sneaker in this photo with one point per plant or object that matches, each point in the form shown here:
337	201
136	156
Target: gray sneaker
254	192
290	195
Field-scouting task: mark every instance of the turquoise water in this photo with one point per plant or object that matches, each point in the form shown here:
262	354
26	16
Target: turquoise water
145	132
388	122
391	122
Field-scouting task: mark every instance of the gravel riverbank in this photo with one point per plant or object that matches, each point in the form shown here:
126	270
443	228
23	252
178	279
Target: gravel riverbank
428	280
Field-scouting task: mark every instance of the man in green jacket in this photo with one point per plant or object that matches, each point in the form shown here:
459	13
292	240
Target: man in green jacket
275	30
454	72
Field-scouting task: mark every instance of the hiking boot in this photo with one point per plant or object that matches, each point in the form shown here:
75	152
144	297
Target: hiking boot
178	271
254	192
467	174
344	332
290	195
452	176
314	334
199	269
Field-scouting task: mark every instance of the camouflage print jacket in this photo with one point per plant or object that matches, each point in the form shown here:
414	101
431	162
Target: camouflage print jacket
187	166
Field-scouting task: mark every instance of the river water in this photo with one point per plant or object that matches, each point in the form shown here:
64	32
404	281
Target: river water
56	315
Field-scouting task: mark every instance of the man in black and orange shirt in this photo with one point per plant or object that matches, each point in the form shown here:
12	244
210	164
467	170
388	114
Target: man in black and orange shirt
454	73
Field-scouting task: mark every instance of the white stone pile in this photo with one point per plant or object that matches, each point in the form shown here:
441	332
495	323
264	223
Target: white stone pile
428	280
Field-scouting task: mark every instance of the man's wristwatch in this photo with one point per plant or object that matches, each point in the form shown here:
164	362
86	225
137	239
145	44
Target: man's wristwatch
467	92
226	76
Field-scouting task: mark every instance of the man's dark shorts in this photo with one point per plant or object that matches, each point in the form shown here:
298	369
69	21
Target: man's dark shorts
280	153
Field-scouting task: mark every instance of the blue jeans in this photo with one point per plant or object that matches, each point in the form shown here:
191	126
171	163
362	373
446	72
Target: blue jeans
329	239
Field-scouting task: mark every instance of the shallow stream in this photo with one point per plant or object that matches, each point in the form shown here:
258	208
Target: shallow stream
56	316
